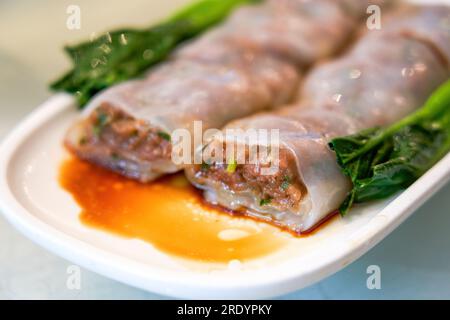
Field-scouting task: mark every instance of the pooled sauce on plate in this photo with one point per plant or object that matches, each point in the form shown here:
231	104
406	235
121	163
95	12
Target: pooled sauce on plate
168	213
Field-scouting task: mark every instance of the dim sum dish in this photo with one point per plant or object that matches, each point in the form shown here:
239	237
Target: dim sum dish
356	92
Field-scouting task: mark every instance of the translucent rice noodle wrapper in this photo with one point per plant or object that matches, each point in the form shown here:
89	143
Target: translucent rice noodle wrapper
235	70
387	75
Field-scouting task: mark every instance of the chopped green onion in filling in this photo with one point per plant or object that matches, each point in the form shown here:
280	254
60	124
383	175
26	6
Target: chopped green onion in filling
102	121
265	202
286	183
164	135
231	167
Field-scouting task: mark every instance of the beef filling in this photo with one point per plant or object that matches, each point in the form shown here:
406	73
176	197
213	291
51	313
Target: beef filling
121	136
283	189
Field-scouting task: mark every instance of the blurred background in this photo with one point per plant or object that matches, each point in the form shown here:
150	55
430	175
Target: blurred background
414	260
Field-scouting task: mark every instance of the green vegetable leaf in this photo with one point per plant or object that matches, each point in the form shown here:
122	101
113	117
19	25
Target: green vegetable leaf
122	54
383	161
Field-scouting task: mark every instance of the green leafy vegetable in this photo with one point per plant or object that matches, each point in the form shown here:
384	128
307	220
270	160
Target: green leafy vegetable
383	161
123	54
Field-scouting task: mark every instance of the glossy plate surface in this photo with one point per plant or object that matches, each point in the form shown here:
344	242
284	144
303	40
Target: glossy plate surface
33	201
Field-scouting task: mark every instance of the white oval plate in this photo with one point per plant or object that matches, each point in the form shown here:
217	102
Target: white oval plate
32	200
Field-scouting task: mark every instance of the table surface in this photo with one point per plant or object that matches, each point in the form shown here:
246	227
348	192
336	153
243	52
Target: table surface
414	260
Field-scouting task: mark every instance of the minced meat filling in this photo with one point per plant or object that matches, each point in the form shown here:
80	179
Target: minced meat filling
283	190
124	136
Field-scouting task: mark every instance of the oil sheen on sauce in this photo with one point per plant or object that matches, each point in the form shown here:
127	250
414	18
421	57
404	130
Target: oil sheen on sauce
167	213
